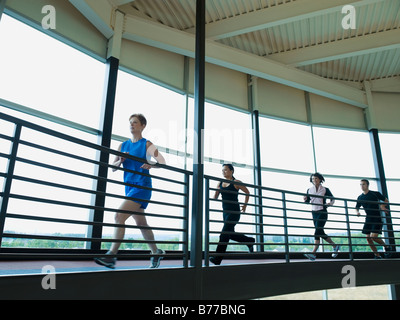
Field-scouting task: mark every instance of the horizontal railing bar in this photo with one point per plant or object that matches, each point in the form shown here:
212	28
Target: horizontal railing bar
85	206
92	207
290	192
68	187
88	223
79	141
85	175
63	153
85	256
66	238
5	137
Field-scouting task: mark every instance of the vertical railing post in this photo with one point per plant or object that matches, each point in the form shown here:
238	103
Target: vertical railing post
100	185
258	181
348	230
382	187
196	245
9	178
186	223
285	226
207	222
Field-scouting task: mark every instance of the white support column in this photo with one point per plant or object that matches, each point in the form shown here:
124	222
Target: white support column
115	42
370	115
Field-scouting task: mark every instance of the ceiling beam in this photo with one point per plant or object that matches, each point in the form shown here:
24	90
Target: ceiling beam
166	38
367	44
274	16
391	85
98	12
118	3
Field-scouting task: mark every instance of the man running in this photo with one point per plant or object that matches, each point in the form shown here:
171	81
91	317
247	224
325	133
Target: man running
373	220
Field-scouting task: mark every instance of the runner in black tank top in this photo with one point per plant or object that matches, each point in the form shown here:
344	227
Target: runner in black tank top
231	214
230	198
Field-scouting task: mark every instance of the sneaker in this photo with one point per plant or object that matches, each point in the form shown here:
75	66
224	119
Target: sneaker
388	253
215	260
310	256
155	261
377	257
251	246
108	262
335	251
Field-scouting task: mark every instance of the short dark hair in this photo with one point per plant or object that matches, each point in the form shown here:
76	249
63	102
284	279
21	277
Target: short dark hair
366	181
318	175
140	117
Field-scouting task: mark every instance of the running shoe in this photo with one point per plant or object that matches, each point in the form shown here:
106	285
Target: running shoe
215	260
377	257
251	246
335	251
155	261
310	256
388	253
108	262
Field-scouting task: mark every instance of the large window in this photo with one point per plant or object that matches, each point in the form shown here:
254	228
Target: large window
391	160
286	145
47	75
163	108
44	78
165	113
343	152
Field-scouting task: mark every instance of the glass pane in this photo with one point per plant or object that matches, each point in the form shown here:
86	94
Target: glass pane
45	74
25	214
286	145
391	157
227	135
343	152
164	110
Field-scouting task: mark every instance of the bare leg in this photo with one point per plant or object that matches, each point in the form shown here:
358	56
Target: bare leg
316	245
120	218
371	244
375	238
146	231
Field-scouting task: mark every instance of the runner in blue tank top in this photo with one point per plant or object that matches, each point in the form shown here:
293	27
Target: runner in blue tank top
137	188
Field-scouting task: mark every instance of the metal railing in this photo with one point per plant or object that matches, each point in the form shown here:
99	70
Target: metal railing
48	204
282	226
48	187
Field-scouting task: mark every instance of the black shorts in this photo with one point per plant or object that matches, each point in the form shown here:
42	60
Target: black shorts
372	225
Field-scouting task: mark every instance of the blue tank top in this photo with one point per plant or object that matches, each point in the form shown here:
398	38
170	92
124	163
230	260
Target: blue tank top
136	149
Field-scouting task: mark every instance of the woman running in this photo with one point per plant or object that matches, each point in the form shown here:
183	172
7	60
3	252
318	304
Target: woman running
231	212
319	213
138	188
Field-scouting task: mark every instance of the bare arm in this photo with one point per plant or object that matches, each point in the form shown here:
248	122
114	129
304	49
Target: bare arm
153	152
118	160
384	207
247	192
216	194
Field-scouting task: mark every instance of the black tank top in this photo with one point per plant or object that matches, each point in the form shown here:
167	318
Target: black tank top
232	195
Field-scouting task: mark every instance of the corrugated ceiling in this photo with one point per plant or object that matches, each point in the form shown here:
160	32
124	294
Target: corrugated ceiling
311	31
